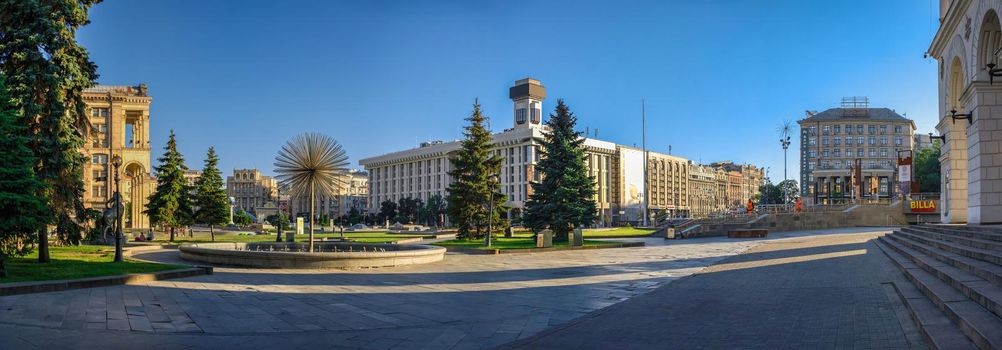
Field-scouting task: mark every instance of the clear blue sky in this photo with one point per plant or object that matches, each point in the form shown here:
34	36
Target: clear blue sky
719	76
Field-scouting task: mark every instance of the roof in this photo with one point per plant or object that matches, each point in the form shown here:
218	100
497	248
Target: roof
857	114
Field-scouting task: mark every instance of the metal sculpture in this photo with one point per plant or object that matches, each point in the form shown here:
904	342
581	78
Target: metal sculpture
312	164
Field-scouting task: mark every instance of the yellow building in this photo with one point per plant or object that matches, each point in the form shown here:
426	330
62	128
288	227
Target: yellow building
120	118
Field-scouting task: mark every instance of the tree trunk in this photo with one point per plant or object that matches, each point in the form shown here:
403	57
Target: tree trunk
212	234
3	266
278	231
171	233
43	245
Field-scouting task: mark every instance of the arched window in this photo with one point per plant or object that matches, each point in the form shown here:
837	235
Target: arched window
990	41
955	85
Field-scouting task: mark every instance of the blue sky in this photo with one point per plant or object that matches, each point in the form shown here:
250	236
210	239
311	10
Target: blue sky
718	76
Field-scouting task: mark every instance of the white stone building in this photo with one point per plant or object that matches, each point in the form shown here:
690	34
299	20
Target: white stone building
967	47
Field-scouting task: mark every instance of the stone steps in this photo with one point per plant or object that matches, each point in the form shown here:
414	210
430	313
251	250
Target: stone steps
986	270
954	238
991	256
985	233
986	294
958	270
981	327
937	330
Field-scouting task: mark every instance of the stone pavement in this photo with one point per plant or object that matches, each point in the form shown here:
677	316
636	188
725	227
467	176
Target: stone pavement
465	301
827	292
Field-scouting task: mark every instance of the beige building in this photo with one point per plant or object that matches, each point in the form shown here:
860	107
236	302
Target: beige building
966	43
707	190
618	170
249	189
120	117
742	182
851	142
354	193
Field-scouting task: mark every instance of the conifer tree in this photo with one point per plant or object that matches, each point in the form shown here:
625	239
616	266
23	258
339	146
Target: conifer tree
46	73
564	198
22	211
210	197
472	183
170	204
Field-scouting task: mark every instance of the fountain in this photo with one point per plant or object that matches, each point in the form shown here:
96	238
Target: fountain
328	255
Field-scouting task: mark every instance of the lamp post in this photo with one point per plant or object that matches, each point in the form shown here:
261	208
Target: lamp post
490	208
785	142
117	162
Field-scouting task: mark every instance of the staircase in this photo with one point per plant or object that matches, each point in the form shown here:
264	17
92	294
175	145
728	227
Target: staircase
955	295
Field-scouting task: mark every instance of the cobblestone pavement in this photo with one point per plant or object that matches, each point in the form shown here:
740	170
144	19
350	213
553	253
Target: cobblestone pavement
465	301
809	293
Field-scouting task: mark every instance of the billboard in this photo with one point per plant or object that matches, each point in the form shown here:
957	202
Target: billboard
633	178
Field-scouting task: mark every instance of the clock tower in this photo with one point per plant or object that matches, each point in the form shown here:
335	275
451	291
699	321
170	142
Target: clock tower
528	95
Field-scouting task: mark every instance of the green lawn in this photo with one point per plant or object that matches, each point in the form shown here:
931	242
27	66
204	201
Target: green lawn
76	262
517	242
365	237
617	232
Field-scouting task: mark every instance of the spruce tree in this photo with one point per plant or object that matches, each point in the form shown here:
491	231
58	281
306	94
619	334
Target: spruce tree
170	204
564	198
46	73
469	193
22	211
210	197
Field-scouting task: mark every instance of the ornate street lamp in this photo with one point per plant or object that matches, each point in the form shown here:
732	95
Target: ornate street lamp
117	162
968	116
785	142
993	72
490	208
940	137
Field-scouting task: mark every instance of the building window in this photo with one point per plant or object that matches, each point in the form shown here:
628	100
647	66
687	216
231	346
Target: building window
826	129
872	129
838	141
859	140
836	129
848	129
824	141
883	140
860	152
859	129
883	129
812	154
99	159
873	152
898	141
883	152
837	152
520	116
811	141
824	154
99	191
873	140
100	175
535	113
99	112
897	129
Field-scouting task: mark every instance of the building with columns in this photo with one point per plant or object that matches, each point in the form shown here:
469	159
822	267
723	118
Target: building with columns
618	170
119	116
851	152
967	47
250	189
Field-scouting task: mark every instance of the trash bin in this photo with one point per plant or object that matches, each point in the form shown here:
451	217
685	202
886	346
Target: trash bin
290	236
670	232
544	239
577	238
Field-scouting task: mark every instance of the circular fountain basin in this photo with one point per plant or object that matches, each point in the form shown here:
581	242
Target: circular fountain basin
329	255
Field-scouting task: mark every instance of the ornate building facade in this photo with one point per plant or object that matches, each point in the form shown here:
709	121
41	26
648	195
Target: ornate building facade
120	117
967	46
250	189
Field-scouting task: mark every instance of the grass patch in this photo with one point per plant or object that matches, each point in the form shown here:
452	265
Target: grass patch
76	262
364	237
512	243
617	232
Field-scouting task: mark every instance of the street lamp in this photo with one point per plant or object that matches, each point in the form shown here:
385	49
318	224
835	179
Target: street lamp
490	208
117	162
785	142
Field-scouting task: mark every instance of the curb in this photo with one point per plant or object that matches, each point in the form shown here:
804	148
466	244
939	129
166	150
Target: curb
538	250
102	281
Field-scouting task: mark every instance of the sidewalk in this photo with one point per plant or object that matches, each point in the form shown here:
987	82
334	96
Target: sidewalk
821	292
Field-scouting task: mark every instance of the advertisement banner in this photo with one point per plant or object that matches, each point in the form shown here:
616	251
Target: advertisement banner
299	225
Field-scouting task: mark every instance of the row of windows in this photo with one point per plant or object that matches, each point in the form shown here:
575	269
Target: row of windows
860	129
860	152
860	140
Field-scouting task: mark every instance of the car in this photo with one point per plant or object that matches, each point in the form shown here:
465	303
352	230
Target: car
359	227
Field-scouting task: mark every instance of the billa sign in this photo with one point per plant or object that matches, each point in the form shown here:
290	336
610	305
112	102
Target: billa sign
922	206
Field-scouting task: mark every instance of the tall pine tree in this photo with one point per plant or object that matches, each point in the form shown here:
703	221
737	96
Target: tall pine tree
170	205
22	211
210	197
46	73
470	191
564	199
